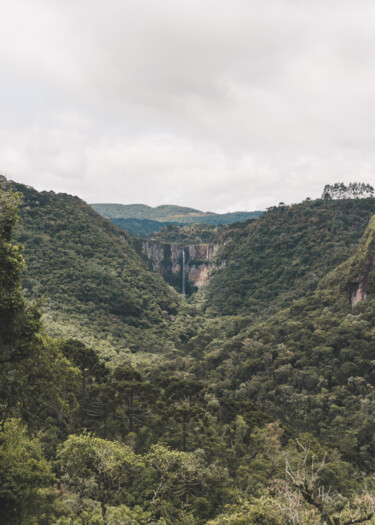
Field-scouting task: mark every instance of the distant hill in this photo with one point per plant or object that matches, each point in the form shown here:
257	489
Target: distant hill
164	212
167	214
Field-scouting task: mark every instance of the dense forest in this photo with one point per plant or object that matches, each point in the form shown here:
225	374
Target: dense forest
123	403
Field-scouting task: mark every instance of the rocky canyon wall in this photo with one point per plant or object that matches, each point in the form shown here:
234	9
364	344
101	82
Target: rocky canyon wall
167	260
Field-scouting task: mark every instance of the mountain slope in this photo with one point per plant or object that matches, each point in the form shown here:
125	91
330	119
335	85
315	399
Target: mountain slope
93	284
311	364
278	258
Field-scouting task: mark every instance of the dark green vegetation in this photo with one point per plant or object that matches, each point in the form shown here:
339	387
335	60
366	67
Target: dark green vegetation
89	278
189	234
311	364
142	220
264	416
281	256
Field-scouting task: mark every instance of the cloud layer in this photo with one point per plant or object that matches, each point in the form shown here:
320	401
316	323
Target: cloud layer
213	104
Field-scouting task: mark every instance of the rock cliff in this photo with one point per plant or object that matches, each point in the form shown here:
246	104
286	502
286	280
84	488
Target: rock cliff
362	267
359	285
167	259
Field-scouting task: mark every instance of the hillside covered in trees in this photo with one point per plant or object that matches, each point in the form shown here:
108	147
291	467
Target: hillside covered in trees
269	262
87	276
251	403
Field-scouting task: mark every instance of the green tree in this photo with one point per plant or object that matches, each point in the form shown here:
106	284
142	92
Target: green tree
262	511
177	479
95	468
19	323
25	476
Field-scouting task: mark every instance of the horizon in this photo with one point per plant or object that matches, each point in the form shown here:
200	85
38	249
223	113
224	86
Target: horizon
203	210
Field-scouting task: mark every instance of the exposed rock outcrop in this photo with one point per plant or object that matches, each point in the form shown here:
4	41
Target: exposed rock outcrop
167	260
361	267
359	285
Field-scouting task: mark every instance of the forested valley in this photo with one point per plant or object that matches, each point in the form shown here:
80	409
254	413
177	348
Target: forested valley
252	401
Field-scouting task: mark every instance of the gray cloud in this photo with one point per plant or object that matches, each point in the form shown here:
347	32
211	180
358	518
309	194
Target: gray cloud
214	104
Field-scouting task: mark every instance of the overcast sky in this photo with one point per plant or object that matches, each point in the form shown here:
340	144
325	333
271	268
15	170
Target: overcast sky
221	105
